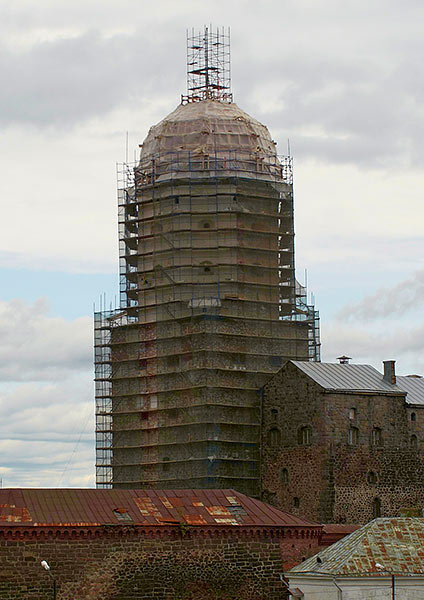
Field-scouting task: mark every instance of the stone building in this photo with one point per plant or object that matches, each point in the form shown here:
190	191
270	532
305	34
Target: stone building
143	544
209	303
342	443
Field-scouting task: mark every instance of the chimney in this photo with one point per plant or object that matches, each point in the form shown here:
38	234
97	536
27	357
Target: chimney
344	360
389	371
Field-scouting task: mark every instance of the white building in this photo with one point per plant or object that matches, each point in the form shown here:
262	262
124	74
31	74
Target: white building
383	560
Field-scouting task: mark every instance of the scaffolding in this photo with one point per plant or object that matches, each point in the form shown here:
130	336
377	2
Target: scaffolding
208	65
209	308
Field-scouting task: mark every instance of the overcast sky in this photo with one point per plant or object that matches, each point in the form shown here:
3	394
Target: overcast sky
342	80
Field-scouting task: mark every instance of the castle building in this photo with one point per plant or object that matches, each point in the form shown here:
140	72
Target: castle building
343	443
209	304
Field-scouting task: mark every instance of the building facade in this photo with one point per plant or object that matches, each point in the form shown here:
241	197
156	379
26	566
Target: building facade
210	307
343	443
383	560
142	544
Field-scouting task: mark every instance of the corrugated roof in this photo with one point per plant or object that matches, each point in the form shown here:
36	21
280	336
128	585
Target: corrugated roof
396	543
347	377
414	386
94	507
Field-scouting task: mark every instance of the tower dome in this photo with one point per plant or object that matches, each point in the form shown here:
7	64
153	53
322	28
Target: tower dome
208	127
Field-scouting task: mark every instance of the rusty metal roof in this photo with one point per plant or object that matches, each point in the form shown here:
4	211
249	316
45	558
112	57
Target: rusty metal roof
94	507
395	543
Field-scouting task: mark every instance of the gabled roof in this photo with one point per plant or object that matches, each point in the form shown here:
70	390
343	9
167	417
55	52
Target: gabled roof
95	507
395	543
348	377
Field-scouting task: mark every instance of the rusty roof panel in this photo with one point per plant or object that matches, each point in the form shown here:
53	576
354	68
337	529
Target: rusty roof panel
93	507
395	543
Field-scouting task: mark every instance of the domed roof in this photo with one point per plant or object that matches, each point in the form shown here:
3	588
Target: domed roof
205	127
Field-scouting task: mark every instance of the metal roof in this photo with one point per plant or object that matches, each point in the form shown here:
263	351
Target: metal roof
395	543
94	507
347	377
414	386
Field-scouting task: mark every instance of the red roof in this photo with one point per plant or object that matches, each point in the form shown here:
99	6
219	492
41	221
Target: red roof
95	507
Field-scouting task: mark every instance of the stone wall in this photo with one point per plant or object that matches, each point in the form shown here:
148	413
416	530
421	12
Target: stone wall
339	457
122	564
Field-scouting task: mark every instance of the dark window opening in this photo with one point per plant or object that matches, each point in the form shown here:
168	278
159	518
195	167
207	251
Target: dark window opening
144	416
274	437
372	477
413	417
296	502
413	442
353	436
207	269
274	412
284	476
304	436
376	508
377	437
206	225
177	200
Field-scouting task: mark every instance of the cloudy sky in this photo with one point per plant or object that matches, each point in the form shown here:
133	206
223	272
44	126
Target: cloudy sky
342	80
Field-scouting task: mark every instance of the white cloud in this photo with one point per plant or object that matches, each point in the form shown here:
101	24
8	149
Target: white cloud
46	397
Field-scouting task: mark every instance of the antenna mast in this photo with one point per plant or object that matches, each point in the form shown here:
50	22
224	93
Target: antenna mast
208	66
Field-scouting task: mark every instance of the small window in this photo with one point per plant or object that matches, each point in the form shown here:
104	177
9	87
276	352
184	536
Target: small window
413	417
274	413
413	442
304	436
372	477
207	269
176	200
376	508
165	463
274	437
284	476
353	436
377	437
296	502
352	414
206	225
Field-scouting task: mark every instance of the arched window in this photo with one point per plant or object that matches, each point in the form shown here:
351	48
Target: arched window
413	441
274	437
353	436
304	436
274	412
377	437
376	508
372	477
413	416
352	414
284	476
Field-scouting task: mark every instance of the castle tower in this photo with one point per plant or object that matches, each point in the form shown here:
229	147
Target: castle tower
209	304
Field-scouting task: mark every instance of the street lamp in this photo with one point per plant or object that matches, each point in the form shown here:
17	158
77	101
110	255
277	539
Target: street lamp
46	566
381	568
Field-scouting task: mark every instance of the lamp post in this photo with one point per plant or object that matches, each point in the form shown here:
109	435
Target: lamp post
46	566
381	568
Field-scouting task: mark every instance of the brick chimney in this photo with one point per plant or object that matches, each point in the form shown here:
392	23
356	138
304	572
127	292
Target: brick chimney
389	371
